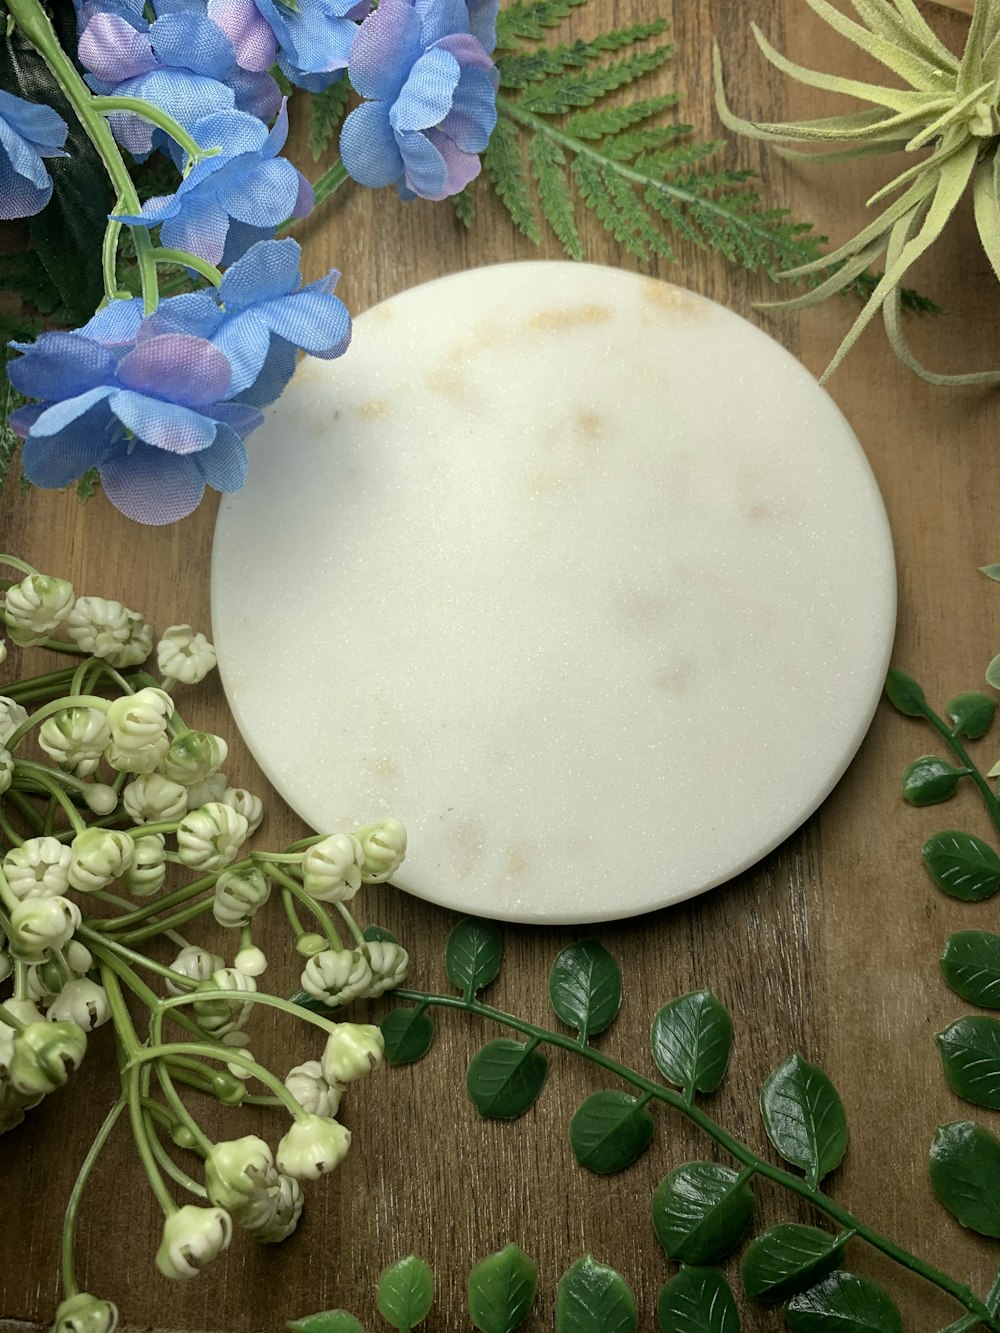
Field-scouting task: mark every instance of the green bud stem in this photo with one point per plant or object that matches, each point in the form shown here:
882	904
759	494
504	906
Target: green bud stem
293	887
163	1158
183	258
224	1054
170	900
50	681
56	706
110	958
109	106
49	780
352	925
269	1001
951	738
12	560
70	1287
10	1019
747	1158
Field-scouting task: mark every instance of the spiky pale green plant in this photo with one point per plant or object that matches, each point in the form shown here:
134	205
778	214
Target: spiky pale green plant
947	115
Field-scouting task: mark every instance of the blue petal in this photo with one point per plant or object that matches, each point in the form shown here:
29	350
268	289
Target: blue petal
473	117
385	49
440	18
56	418
427	95
20	198
192	42
426	169
245	341
267	270
262	194
224	466
39	124
166	426
57	460
117	323
200	229
23	158
61	365
191	312
368	147
153	487
277	370
314	321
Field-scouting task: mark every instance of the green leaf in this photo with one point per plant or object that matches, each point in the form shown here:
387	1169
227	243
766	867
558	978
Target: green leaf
379	934
991	572
405	1293
593	1298
787	1259
472	955
701	1212
604	120
326	111
845	1303
505	168
563	93
585	987
408	1033
328	1321
962	865
691	1039
993	673
609	1131
904	693
502	1290
965	1174
970	1054
505	1078
464	205
548	167
697	1300
971	967
804	1118
971	714
528	19
929	780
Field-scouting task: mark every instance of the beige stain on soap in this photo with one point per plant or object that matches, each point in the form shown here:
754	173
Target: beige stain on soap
562	321
469	841
375	410
666	299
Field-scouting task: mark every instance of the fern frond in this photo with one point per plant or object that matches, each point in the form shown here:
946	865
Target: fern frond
502	160
524	67
548	167
326	111
526	20
10	444
465	206
560	94
612	119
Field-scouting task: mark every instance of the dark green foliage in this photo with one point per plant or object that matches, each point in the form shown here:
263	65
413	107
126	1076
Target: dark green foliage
326	111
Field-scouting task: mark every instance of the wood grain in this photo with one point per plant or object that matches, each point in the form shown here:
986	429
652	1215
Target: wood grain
828	947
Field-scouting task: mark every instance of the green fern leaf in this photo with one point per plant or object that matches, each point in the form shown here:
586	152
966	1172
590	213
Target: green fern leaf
88	485
560	94
592	184
634	214
465	206
607	120
524	67
326	111
10	444
526	20
548	166
502	160
674	216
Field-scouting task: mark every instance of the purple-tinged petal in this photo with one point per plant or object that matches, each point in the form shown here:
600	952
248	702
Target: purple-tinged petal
239	416
460	167
473	118
224	466
60	365
200	229
191	312
196	371
112	50
305	200
469	52
426	172
483	22
163	425
438	18
368	147
386	46
251	35
426	96
153	487
23	418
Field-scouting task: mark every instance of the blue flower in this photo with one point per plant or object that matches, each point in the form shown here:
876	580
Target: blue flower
28	132
312	39
433	91
228	202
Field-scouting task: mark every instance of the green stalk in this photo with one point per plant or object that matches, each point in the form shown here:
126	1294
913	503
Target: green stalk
70	1287
307	900
225	1054
47	710
971	768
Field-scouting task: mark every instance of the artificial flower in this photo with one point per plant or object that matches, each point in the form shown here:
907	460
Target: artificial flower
337	976
210	837
238	1170
44	1054
83	1313
352	1050
193	756
39	868
383	847
152	796
388	963
98	857
195	963
82	1002
12	717
184	655
312	1091
28	133
311	42
40	924
148	869
6	769
248	805
76	738
36	606
331	868
313	1146
192	1238
239	894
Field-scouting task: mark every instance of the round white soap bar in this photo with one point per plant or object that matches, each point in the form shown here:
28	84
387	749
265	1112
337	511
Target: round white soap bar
579	575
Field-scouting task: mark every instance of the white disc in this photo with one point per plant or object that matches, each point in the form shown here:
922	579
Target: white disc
579	575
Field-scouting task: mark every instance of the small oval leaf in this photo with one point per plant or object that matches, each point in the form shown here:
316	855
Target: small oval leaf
405	1293
804	1118
585	987
505	1078
609	1131
962	865
965	1174
788	1259
993	673
971	967
970	1054
408	1034
904	693
379	934
593	1298
991	572
845	1302
697	1300
701	1212
327	1321
929	780
472	955
502	1290
691	1040
971	714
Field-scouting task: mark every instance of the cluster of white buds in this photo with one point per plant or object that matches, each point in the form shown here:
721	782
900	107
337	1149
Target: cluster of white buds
76	739
109	630
35	607
98	856
197	964
148	868
219	1015
151	796
139	736
337	976
12	716
210	837
184	655
39	868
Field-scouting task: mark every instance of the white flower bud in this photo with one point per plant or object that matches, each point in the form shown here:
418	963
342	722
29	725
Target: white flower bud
98	857
109	630
331	869
12	1106
26	1010
138	725
311	1090
12	715
196	963
76	739
6	1049
312	1146
210	837
185	655
6	966
275	1220
100	798
39	868
384	847
223	1015
148	870
151	796
6	769
246	804
204	793
40	924
353	1051
337	976
239	894
83	1313
78	957
36	606
238	1170
311	943
251	960
39	988
194	756
192	1238
82	1002
3	652
44	1055
389	963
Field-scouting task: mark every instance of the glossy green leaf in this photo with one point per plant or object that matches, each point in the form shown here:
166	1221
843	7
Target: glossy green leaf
788	1259
701	1212
502	1290
697	1300
691	1039
408	1033
991	572
328	1321
609	1131
804	1117
846	1303
993	673
585	987
379	934
965	1174
929	780
904	693
405	1293
971	713
593	1298
971	967
970	1054
505	1078
472	955
962	865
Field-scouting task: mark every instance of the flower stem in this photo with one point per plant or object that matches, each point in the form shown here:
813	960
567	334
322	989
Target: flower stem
961	753
224	1054
70	1287
332	179
164	255
307	900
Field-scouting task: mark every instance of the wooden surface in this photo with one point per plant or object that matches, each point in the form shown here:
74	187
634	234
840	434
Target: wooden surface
829	947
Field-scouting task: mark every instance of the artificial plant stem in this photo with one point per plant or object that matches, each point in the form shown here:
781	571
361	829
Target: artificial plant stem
12	560
140	959
80	1184
184	259
259	997
330	180
166	1162
165	924
960	1292
179	1109
962	754
225	1054
38	773
352	925
25	809
307	900
109	106
109	253
10	1020
107	958
170	900
56	705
